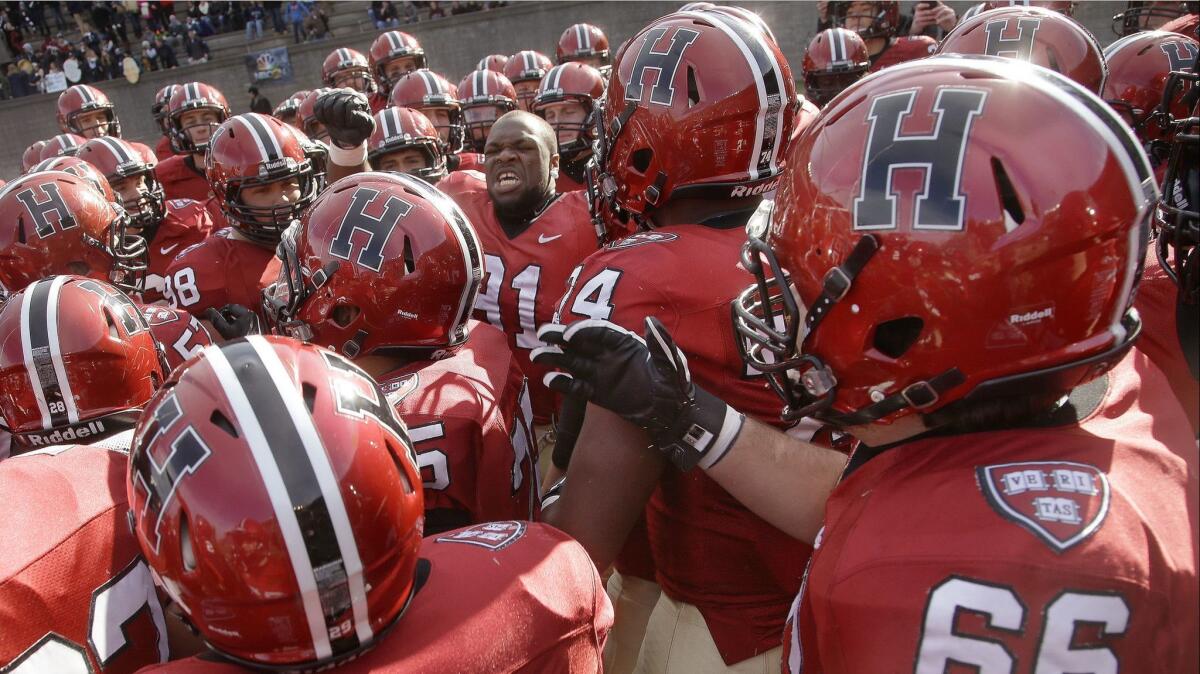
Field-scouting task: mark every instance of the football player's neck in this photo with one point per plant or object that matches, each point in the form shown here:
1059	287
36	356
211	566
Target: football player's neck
377	365
876	435
691	211
876	45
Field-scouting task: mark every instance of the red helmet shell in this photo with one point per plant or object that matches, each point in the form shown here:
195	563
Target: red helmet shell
835	59
714	118
402	129
81	99
345	60
1138	66
94	361
407	258
1007	274
580	41
297	502
391	46
187	97
62	144
1041	36
493	62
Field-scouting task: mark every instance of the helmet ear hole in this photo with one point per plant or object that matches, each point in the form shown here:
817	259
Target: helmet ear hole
309	393
398	454
344	314
692	87
187	552
640	159
1007	193
895	337
112	325
218	419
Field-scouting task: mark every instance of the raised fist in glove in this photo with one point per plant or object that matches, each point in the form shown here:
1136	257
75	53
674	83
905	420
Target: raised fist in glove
346	115
233	321
646	381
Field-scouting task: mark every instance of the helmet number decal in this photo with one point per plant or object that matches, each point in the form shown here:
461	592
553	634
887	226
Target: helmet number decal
940	203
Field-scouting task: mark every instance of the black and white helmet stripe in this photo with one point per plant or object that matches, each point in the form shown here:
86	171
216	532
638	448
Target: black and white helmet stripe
117	149
191	92
583	35
268	144
768	76
551	81
394	40
391	123
43	353
481	83
837	47
85	94
432	86
303	489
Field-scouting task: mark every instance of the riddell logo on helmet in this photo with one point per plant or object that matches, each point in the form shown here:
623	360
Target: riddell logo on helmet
57	437
747	191
1031	317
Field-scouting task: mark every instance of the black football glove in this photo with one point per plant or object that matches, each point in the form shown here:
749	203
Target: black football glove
645	381
233	321
346	115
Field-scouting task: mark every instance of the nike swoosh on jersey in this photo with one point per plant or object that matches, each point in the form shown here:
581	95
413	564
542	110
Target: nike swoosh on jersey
542	238
167	249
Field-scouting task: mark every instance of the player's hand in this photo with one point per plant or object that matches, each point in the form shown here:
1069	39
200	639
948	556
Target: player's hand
923	17
346	115
945	17
646	381
233	321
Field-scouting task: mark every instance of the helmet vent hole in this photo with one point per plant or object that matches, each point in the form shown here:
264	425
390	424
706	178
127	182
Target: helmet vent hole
640	159
895	337
21	230
187	551
398	454
343	315
1052	61
1008	195
112	325
218	419
410	263
309	392
693	88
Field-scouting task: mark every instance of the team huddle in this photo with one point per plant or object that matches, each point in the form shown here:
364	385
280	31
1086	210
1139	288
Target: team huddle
633	360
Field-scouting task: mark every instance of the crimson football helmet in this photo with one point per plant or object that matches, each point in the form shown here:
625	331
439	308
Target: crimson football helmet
77	363
188	97
884	17
345	67
1035	34
913	287
493	62
119	160
582	41
525	70
270	485
485	95
254	149
78	167
1139	16
54	222
675	135
390	47
403	129
571	82
1177	218
64	144
427	91
382	263
32	155
161	108
1065	7
288	111
1138	68
835	59
82	99
309	123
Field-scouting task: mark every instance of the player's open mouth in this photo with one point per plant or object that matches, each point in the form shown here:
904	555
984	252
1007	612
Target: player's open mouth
508	180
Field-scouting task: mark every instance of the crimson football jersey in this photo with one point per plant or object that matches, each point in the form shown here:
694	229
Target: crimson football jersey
468	161
377	101
499	597
709	550
222	269
524	276
182	179
1060	549
76	597
901	49
162	149
185	222
1155	302
181	335
470	421
566	183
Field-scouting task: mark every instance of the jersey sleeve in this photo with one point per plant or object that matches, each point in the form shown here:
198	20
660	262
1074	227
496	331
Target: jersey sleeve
614	288
507	487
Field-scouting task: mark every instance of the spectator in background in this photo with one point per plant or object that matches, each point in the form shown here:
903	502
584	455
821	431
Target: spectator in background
436	11
71	63
90	67
149	56
254	22
275	9
5	87
258	102
60	23
36	11
296	14
410	12
196	48
932	18
18	81
78	11
166	54
55	80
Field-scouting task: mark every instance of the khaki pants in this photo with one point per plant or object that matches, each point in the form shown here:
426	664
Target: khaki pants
633	599
677	642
